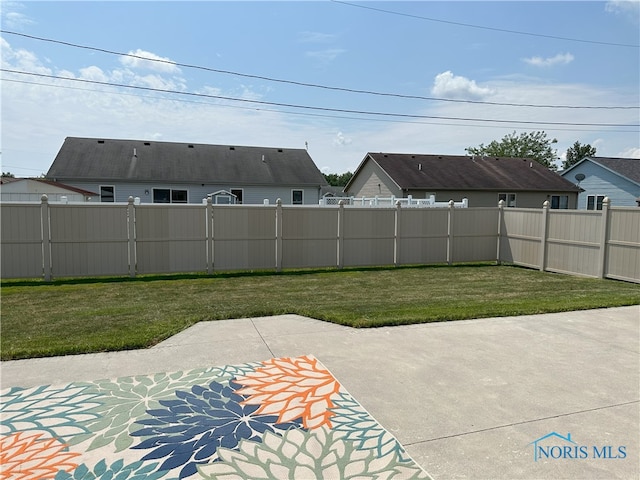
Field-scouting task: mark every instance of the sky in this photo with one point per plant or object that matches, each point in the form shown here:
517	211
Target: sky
338	78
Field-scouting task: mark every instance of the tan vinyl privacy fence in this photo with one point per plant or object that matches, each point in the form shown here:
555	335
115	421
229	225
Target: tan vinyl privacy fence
68	240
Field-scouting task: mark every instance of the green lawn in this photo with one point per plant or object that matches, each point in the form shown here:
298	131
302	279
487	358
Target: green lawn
92	315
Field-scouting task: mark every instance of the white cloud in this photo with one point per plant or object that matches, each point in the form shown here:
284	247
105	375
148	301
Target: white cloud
633	152
325	56
559	59
11	16
157	82
16	20
93	73
448	85
141	59
628	8
341	139
21	59
316	37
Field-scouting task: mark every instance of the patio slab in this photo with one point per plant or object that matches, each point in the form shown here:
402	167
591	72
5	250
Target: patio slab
466	398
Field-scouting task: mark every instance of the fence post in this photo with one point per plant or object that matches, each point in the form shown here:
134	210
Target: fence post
500	221
131	234
340	239
602	261
450	233
46	237
396	235
278	235
209	226
543	236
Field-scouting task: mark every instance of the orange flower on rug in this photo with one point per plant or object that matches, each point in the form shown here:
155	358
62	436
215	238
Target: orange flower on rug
292	388
29	457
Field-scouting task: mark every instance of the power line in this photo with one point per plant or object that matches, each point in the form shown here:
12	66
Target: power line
308	107
503	30
307	114
312	85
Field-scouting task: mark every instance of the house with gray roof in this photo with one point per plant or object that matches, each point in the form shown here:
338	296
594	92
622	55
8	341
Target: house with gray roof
168	172
484	181
600	177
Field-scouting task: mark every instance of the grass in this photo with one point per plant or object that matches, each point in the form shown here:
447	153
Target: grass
93	315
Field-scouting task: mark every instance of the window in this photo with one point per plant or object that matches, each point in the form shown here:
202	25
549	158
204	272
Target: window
107	193
594	202
167	195
178	196
509	199
297	197
559	201
161	195
238	193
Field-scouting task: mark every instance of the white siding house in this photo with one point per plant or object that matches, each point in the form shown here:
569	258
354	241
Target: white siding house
32	189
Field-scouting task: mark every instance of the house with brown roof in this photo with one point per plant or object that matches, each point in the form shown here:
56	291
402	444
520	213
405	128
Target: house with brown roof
171	172
32	189
484	181
600	177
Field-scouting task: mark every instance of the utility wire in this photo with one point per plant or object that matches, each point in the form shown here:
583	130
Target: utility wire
307	107
469	25
289	112
312	85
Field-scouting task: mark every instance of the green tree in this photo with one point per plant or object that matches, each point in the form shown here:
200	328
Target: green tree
8	174
577	152
338	179
533	145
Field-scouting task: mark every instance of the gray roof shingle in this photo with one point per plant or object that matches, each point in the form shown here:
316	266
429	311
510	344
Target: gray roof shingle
169	162
627	167
459	172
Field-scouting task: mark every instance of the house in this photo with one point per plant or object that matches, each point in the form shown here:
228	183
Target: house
168	172
484	181
599	177
32	189
538	449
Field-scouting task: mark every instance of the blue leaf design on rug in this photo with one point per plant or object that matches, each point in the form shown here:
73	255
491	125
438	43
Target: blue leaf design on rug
191	427
281	418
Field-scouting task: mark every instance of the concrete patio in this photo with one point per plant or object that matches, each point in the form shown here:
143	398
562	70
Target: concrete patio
466	398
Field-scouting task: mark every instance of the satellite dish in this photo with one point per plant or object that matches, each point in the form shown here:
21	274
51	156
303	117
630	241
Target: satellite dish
580	176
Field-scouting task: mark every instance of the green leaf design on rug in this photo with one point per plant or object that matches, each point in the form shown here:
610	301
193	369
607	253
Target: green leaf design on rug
127	399
116	471
62	412
318	453
355	423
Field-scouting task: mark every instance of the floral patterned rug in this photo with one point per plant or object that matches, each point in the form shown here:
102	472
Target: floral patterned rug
278	419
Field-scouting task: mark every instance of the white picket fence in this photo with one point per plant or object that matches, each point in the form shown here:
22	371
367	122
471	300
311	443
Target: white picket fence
392	201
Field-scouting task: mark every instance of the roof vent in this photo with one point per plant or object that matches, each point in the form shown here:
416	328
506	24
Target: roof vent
100	141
